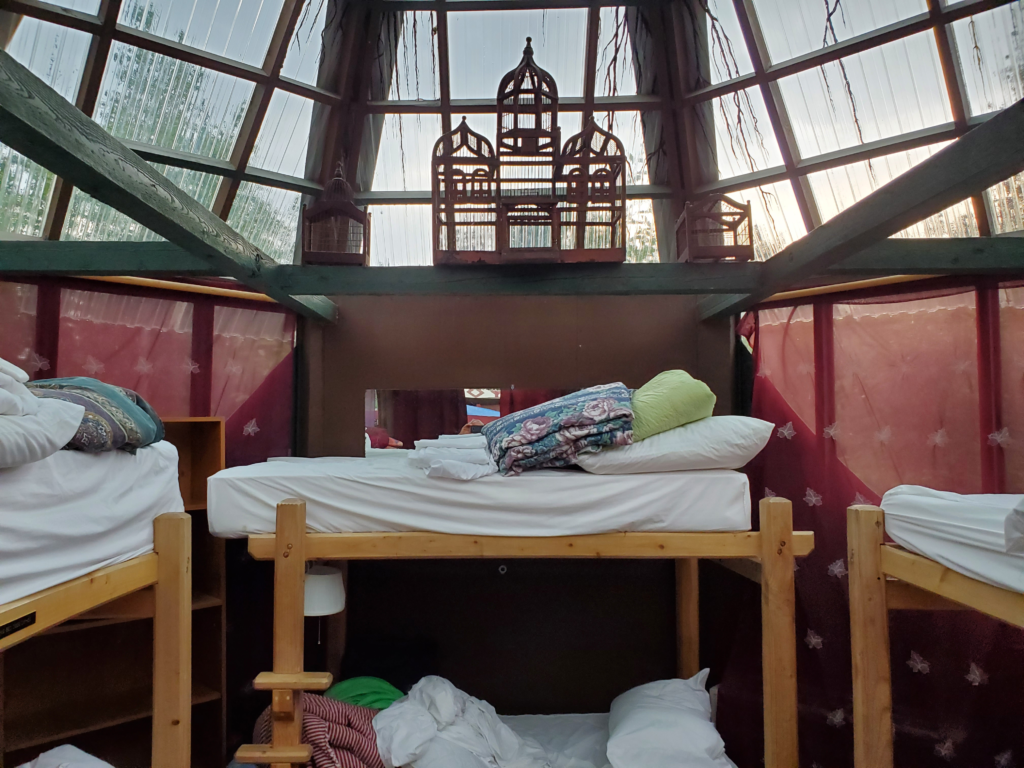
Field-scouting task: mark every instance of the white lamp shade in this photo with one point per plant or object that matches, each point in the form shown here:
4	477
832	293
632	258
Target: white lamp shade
325	591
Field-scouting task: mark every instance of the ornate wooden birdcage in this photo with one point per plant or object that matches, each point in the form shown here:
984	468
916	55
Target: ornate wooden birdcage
716	228
532	200
334	229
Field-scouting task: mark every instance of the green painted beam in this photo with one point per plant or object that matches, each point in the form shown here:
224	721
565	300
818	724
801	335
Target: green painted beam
935	256
89	259
39	123
986	155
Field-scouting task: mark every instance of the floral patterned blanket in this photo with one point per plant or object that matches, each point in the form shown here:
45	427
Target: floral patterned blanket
115	418
554	433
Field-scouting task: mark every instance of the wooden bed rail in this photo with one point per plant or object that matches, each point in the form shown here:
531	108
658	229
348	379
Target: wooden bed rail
775	546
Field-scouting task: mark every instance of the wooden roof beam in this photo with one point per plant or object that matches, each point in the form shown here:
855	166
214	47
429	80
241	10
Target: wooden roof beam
985	156
39	123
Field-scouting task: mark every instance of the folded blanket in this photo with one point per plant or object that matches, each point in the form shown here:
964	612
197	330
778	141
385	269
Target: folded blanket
15	399
455	442
115	418
423	456
553	434
340	734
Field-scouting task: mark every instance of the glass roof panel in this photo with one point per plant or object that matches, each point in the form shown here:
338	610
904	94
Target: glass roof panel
57	56
85	6
284	136
837	189
641	234
792	28
991	50
1005	203
775	216
89	219
745	140
268	218
484	45
615	72
416	74
729	55
403	160
302	62
400	236
170	103
886	91
238	29
629	129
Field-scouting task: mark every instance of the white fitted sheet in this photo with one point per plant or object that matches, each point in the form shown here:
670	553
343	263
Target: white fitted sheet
965	533
581	738
386	493
73	512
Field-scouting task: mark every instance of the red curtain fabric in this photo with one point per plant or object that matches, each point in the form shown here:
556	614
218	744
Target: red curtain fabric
425	414
513	400
866	396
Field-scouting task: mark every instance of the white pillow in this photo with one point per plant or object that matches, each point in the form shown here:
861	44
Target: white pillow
665	724
1014	529
15	399
13	371
24	439
717	442
66	756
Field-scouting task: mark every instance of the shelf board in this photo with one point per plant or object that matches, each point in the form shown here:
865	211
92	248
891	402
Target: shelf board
200	602
23	732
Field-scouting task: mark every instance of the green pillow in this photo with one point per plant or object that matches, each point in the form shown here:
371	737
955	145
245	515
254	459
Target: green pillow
369	692
669	400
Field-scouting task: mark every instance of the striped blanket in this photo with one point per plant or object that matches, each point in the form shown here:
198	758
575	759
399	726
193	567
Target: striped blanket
341	734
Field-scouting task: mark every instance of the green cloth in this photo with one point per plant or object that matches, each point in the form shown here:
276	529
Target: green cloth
669	400
369	692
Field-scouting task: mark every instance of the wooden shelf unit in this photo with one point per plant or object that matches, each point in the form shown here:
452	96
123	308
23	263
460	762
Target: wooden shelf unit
89	681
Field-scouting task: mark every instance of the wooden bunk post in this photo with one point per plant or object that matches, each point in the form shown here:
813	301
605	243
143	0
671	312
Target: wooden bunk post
172	642
289	602
778	630
869	639
687	617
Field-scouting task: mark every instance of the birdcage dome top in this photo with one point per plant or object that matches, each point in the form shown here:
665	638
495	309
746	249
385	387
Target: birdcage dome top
527	77
338	189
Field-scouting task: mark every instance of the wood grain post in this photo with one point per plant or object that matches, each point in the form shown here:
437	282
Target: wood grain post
869	639
172	641
289	601
778	630
687	617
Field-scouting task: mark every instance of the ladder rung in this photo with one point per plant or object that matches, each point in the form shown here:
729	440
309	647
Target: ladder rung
265	753
293	681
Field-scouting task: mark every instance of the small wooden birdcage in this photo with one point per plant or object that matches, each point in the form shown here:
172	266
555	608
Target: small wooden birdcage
716	228
532	201
334	229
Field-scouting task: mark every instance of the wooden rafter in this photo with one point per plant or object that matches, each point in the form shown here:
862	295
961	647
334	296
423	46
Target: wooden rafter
38	122
987	155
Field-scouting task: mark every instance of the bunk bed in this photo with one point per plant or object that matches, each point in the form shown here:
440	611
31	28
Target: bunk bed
292	531
79	532
929	566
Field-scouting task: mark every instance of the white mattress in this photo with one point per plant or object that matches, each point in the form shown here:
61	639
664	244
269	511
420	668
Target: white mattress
386	493
583	738
965	533
72	513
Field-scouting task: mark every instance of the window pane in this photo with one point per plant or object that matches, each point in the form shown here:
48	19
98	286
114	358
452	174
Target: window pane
158	100
89	219
284	136
416	75
729	55
85	6
745	141
57	56
400	236
268	218
629	129
136	342
302	62
992	57
484	45
18	320
247	345
884	92
615	73
838	188
403	159
1006	205
1011	320
775	216
641	234
886	357
800	26
236	29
